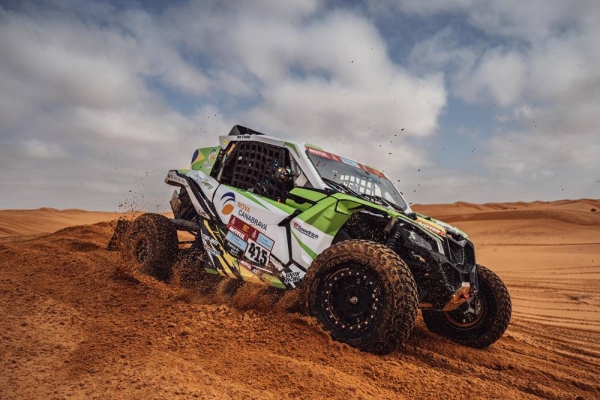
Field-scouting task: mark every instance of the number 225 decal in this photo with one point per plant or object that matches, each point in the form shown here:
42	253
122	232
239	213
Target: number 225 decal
256	253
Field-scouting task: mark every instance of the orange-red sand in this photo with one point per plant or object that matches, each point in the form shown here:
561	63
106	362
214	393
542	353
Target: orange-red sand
74	325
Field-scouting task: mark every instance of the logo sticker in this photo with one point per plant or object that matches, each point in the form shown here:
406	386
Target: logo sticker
304	231
236	240
206	184
290	277
245	265
431	228
212	155
265	242
227	202
210	240
350	162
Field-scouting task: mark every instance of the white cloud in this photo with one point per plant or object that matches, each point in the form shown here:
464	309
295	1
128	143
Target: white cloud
530	21
82	90
37	149
323	80
93	94
542	73
503	74
93	80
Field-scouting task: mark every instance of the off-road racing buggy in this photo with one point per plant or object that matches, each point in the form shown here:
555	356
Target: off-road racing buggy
294	216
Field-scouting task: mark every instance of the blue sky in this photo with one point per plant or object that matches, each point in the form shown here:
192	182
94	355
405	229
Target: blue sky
477	101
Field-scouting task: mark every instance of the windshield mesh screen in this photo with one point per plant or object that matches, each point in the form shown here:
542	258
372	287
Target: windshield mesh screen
252	165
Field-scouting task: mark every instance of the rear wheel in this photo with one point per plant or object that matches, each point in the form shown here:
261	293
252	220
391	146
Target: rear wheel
479	322
363	294
151	245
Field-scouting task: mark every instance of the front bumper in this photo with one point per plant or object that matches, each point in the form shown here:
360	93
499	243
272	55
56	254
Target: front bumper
444	281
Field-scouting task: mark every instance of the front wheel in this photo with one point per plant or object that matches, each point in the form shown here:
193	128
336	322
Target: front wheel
363	294
480	321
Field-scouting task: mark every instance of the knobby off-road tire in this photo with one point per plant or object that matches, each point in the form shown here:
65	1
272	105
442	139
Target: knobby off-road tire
482	328
151	244
363	294
119	234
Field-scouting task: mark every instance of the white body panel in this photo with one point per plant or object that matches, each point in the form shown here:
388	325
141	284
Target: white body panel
257	213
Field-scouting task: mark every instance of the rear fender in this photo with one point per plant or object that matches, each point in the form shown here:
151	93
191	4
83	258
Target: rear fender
199	186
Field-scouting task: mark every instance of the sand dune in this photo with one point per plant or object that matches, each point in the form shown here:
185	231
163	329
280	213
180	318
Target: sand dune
46	220
75	326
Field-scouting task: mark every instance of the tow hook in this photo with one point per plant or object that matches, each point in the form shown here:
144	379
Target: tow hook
459	297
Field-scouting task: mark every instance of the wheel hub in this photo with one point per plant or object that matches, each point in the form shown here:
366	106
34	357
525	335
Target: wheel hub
469	314
351	297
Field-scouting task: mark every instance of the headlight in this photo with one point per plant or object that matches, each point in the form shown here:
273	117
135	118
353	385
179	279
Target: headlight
421	242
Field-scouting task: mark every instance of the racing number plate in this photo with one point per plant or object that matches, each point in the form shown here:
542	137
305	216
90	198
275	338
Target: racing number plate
256	253
256	245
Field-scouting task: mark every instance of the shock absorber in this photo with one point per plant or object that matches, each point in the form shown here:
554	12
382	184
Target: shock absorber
394	236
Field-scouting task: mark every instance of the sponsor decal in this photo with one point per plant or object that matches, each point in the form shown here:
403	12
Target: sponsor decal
323	154
211	156
372	171
305	231
227	203
319	153
241	227
256	245
251	219
261	271
239	234
350	162
173	177
233	250
290	277
212	251
207	185
431	228
209	239
237	241
331	156
243	206
246	265
265	241
196	175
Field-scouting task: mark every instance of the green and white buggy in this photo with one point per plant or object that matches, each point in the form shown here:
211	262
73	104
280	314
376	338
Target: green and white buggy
294	216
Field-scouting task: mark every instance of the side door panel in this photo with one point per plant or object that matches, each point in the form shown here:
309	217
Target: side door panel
252	234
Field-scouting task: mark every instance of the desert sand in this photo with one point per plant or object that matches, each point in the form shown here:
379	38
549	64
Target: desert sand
76	324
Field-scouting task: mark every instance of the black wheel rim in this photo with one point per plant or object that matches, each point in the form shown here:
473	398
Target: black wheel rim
351	297
141	250
470	314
